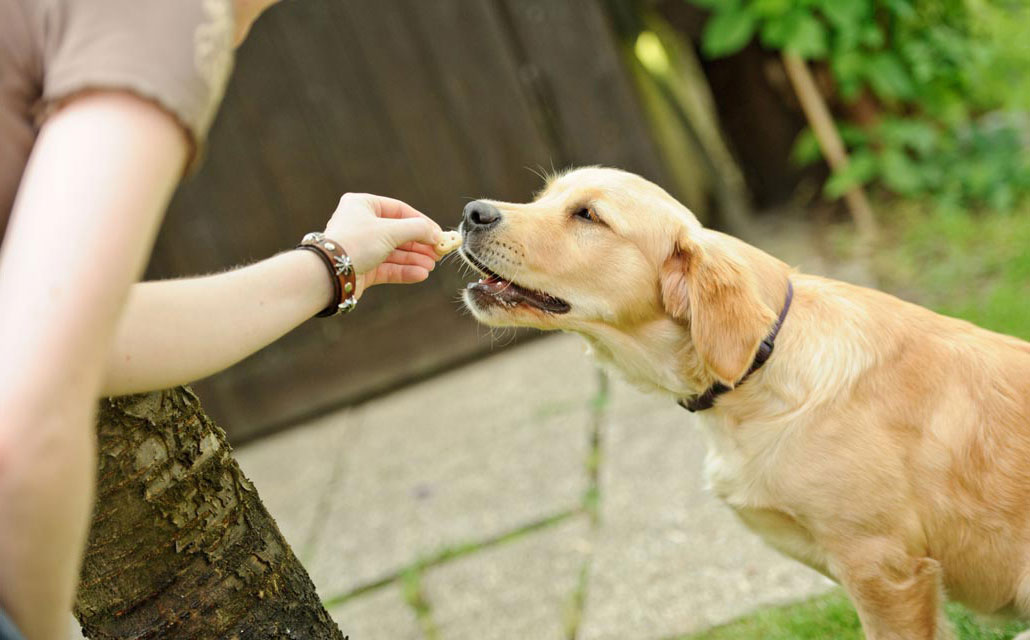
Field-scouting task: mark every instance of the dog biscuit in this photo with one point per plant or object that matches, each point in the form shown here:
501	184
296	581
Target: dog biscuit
451	241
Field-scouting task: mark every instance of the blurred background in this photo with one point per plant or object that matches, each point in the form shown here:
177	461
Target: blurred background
881	141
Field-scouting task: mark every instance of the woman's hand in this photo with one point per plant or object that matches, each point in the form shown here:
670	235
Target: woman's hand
387	240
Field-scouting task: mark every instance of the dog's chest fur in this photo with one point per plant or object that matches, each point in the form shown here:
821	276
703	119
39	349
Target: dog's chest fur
740	461
744	465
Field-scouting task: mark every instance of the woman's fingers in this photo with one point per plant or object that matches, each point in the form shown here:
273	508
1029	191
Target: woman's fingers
375	229
419	247
392	208
403	257
388	273
420	229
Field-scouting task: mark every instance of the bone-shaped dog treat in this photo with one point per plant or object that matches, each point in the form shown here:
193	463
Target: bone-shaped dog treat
451	241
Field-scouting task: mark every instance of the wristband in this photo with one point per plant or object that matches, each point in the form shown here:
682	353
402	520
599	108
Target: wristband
341	272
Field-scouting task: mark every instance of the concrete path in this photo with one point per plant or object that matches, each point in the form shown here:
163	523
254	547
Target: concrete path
524	496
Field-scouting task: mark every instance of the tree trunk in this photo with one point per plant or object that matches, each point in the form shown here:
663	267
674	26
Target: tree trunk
180	545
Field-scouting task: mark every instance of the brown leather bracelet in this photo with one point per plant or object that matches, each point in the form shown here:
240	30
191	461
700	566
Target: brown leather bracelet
341	272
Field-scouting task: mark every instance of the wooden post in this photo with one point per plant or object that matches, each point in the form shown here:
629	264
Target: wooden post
818	115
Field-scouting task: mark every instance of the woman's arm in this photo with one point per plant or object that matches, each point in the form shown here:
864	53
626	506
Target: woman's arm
88	208
178	331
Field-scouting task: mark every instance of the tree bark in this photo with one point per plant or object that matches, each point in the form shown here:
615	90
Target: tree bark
180	545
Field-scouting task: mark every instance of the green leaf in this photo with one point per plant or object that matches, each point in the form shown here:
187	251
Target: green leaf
770	8
715	5
728	32
916	135
848	67
888	77
901	8
776	31
852	134
808	39
921	60
845	13
806	148
932	175
979	178
845	36
798	32
860	170
871	35
899	173
1002	197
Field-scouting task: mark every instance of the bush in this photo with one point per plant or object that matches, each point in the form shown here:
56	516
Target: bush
949	80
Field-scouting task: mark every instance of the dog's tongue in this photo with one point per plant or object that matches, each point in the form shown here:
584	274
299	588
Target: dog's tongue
511	294
501	289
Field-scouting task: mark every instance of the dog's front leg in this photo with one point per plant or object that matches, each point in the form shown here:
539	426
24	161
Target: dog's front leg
898	596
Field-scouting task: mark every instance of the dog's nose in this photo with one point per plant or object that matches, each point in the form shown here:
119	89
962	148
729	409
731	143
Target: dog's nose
481	215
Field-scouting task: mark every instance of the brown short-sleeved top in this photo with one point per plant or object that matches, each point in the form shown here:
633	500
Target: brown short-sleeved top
175	53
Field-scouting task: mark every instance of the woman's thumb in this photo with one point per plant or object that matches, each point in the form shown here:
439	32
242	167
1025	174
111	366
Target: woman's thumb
413	230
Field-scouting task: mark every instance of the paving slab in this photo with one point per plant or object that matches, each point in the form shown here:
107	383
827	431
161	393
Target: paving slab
293	472
669	557
74	629
467	456
520	589
378	615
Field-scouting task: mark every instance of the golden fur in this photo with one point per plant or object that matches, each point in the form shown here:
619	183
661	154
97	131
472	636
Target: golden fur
882	444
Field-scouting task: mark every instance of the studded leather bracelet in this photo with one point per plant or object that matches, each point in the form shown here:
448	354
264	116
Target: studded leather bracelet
341	272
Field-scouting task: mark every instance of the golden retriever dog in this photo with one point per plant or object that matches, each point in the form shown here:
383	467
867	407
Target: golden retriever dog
882	444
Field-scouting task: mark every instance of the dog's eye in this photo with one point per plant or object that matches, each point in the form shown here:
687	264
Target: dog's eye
587	214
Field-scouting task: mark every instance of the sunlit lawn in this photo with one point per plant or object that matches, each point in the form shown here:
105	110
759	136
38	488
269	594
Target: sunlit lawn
972	266
831	617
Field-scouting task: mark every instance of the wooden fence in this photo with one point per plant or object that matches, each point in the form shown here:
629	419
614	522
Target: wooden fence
434	102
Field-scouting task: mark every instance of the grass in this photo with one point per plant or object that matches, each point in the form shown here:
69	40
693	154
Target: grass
968	265
831	617
411	574
591	504
415	597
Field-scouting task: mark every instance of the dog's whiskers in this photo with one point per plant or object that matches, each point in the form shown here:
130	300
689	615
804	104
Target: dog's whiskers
510	282
538	172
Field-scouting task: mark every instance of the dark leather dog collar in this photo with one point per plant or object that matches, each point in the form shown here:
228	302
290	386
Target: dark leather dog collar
707	399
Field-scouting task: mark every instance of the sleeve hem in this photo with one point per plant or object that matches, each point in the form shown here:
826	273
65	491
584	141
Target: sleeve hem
59	97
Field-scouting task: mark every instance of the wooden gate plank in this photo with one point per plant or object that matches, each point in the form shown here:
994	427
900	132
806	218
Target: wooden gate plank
574	48
479	82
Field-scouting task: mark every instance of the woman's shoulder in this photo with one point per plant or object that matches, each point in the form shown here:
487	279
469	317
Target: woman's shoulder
175	53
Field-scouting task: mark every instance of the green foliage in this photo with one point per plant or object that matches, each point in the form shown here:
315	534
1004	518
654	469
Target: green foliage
797	31
728	31
832	616
951	79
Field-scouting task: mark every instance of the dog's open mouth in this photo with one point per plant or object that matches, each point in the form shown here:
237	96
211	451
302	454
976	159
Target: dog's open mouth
492	289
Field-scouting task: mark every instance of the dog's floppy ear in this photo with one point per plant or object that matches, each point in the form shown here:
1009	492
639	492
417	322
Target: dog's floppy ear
712	282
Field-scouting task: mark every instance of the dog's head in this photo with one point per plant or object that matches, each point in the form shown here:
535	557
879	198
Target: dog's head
607	254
